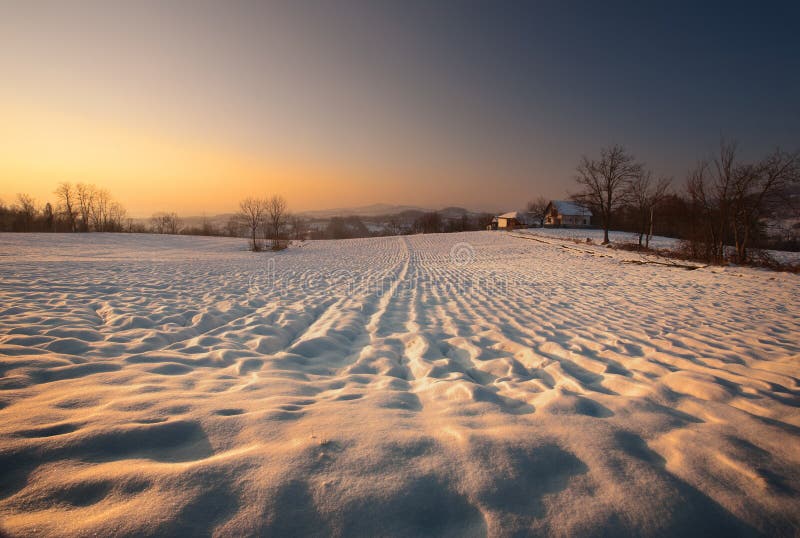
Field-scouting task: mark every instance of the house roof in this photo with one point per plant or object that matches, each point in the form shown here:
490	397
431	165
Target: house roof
571	208
511	215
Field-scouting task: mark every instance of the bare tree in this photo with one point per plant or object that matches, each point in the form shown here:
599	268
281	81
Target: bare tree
117	216
157	223
394	225
165	223
251	214
711	190
99	210
85	194
731	199
646	194
756	187
67	204
538	209
49	218
276	219
174	223
605	183
27	211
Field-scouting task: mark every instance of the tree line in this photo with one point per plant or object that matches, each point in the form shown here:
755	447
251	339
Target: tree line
720	212
82	207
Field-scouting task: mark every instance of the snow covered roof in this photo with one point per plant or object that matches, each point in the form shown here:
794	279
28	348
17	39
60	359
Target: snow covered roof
570	208
512	215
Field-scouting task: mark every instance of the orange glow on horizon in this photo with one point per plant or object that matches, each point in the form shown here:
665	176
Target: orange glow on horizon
150	172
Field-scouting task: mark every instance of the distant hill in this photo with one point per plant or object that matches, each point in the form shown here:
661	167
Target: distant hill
372	210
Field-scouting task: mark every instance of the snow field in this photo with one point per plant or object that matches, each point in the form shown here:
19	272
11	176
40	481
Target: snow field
448	384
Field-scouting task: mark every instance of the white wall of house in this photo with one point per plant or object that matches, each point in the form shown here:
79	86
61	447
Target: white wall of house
567	220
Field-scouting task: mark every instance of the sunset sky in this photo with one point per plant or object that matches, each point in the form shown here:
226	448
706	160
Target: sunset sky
190	105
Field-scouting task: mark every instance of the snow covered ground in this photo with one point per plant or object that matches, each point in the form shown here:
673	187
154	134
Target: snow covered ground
459	384
596	235
656	242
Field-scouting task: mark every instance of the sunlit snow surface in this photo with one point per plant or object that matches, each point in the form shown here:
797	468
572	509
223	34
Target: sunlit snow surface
455	384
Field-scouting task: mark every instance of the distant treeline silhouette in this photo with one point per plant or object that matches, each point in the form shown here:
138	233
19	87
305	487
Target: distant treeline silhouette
79	208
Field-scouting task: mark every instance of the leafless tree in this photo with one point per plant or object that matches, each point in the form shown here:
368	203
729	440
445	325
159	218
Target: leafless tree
99	210
711	191
117	216
538	209
174	223
157	223
49	218
165	223
67	204
605	183
85	194
276	219
756	188
251	214
27	211
731	198
646	194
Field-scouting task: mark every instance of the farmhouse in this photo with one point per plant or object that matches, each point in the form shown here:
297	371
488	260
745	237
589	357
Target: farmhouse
509	221
563	214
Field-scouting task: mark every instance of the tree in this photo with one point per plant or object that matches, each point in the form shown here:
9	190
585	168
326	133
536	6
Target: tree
732	198
538	209
646	194
49	218
165	223
173	223
251	214
99	209
157	223
117	216
66	204
756	187
85	194
710	190
605	183
26	212
276	219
